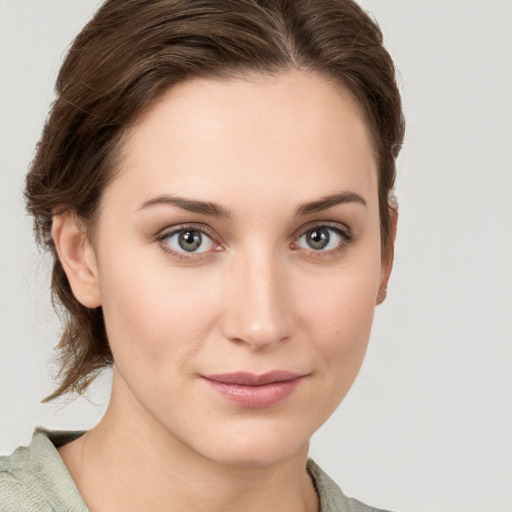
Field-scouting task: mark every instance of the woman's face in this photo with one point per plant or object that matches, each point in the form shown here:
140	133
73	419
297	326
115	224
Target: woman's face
238	263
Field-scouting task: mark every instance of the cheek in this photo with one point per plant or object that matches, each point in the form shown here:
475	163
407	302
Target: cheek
339	318
151	314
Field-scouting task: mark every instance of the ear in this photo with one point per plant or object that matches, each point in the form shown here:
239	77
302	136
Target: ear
78	258
387	260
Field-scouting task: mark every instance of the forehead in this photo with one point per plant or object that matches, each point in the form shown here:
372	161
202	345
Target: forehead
293	134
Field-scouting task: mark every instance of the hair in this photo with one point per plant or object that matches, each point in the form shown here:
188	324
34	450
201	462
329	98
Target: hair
129	54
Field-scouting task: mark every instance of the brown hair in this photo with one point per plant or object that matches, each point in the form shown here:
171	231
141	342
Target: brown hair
134	50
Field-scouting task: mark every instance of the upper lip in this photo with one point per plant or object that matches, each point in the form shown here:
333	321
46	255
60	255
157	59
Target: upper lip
251	379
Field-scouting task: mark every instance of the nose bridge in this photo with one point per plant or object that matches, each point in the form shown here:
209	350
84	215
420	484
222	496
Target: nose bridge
258	312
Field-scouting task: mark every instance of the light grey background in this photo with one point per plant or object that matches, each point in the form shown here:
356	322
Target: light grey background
428	423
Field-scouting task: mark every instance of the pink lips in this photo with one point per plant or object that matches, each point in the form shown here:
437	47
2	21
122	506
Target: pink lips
250	390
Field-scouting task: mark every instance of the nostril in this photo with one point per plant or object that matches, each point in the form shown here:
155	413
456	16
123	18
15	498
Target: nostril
259	337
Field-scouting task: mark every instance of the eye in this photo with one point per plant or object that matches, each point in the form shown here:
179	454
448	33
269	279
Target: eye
188	240
323	238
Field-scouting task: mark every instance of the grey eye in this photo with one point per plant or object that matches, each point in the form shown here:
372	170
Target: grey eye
318	239
321	238
189	240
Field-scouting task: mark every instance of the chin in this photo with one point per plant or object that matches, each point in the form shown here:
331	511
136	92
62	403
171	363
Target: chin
255	447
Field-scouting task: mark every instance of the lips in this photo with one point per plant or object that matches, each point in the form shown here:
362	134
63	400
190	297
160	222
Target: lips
254	391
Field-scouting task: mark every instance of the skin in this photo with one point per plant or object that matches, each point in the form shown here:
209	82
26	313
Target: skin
257	298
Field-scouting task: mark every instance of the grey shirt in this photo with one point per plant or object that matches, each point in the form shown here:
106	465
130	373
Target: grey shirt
35	478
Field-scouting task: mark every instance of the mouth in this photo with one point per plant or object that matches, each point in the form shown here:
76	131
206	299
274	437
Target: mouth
255	391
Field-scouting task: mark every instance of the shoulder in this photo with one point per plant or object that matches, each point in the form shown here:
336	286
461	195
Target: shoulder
331	496
36	478
16	489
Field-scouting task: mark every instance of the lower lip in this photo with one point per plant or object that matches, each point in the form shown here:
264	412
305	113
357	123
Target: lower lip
264	395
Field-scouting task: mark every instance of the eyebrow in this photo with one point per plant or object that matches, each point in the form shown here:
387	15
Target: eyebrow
217	210
327	202
190	205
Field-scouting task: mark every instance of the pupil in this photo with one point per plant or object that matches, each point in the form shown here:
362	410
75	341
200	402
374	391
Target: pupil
190	240
318	238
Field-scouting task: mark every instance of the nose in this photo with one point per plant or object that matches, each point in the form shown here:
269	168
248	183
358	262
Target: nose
258	306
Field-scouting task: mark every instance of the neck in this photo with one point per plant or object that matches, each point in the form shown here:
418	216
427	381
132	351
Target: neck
131	462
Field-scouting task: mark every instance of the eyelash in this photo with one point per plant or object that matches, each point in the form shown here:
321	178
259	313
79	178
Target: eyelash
345	234
186	227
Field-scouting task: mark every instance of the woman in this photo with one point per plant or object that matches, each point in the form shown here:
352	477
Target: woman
214	182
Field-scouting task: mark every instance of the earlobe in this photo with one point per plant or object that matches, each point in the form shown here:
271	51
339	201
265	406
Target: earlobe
77	257
387	261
